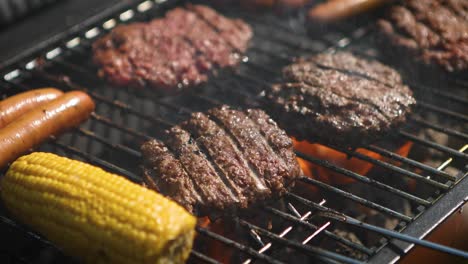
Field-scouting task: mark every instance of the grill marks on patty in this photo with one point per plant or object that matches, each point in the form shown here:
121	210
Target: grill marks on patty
221	160
436	31
339	99
177	50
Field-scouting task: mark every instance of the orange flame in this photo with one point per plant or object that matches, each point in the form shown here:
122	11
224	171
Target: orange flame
223	253
337	158
216	249
340	159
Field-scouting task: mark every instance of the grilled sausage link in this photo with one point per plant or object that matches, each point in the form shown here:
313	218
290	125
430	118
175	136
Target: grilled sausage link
16	105
32	128
334	10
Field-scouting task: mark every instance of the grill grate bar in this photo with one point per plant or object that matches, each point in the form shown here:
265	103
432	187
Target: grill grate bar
9	222
286	231
122	128
411	162
50	77
98	161
327	233
248	250
448	161
322	228
440	93
442	129
106	142
340	217
315	251
394	168
114	103
203	257
361	178
443	111
356	198
452	152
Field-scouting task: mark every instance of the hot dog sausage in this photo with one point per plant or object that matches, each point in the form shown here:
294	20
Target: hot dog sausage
16	105
32	128
333	10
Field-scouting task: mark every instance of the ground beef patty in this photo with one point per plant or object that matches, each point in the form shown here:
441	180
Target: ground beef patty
176	51
224	159
339	99
435	31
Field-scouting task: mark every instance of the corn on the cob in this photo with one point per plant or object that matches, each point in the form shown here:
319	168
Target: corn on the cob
95	215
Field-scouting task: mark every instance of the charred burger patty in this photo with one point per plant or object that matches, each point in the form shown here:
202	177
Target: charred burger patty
339	99
221	160
433	31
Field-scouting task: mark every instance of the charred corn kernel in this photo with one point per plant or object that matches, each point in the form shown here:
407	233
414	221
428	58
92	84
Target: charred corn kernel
95	215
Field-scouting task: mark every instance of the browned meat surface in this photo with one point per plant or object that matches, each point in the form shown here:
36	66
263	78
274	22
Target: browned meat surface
176	51
221	160
175	182
434	31
339	99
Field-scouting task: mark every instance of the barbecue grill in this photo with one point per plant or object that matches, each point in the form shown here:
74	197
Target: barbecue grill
301	227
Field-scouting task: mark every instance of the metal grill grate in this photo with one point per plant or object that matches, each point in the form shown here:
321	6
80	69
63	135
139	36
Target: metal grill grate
299	227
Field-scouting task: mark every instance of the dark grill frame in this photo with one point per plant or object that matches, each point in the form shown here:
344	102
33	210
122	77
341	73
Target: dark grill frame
56	51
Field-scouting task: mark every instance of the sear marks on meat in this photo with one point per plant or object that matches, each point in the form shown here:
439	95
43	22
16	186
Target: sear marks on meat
176	51
175	181
339	99
221	160
435	31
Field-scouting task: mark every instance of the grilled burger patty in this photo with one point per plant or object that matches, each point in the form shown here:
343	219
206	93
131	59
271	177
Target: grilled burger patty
435	31
176	51
221	160
339	99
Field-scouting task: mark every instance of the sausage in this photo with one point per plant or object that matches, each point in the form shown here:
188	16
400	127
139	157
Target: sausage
34	127
333	10
16	105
